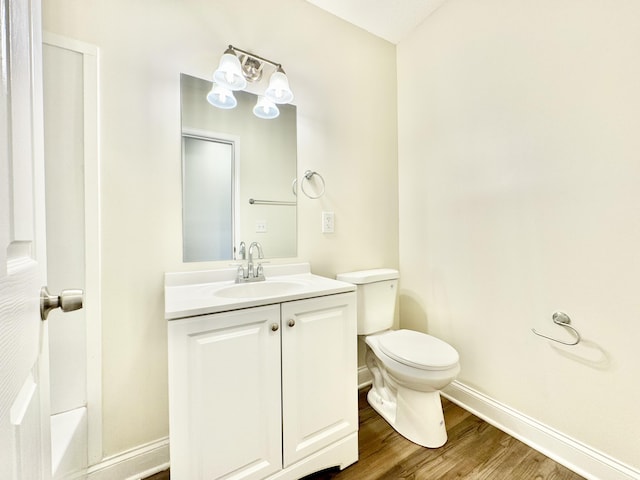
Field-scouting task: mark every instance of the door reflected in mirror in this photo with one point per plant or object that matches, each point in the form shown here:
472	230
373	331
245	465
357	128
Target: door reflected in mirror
238	175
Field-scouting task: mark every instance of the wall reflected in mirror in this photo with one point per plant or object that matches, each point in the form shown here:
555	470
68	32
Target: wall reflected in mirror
229	158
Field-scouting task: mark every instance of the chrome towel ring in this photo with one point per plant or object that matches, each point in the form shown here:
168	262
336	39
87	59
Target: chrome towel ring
308	175
562	319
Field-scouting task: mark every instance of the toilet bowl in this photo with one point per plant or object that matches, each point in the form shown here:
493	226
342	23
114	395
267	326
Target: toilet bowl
406	391
408	368
415	359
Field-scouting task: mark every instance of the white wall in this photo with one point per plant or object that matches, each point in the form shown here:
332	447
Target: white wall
518	181
344	81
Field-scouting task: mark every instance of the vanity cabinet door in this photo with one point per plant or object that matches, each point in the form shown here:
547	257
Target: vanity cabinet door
319	373
225	400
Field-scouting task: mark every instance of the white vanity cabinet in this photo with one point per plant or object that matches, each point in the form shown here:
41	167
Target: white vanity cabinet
267	392
224	394
319	374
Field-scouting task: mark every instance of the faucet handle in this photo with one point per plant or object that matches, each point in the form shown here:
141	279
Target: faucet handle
242	251
240	274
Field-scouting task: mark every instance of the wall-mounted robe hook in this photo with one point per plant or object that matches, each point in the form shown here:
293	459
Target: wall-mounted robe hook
562	319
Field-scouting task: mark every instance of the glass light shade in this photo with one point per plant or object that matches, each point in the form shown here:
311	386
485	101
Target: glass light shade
229	73
278	90
221	97
265	108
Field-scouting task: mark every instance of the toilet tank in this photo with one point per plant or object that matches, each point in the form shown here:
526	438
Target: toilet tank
377	293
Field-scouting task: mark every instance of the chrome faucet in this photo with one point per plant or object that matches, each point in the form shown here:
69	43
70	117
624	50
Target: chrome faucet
250	260
251	274
242	251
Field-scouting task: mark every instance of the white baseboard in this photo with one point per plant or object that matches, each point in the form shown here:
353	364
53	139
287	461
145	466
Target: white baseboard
364	377
576	456
134	464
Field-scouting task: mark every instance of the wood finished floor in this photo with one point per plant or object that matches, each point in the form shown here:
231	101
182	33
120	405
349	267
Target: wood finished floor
475	451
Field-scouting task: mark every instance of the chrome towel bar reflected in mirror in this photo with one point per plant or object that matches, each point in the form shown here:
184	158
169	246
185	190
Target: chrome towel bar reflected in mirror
562	319
253	201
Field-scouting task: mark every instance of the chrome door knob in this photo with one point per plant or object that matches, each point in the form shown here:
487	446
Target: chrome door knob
67	301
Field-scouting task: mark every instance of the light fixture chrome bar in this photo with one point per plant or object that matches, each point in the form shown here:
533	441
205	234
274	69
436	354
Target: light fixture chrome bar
257	57
236	68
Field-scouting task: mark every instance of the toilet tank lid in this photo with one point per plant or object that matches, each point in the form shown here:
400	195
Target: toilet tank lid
368	276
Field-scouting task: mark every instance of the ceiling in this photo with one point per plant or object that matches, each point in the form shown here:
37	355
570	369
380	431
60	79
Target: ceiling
389	19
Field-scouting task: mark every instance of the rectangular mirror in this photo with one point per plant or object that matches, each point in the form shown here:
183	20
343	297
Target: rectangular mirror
238	174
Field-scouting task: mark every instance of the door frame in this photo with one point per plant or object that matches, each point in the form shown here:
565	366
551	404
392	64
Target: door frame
92	218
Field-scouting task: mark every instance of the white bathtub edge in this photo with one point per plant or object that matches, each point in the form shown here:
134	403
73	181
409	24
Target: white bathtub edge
69	443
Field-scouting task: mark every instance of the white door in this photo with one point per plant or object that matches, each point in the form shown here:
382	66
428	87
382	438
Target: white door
24	416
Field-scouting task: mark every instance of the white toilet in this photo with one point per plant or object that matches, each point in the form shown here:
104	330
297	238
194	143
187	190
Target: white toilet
408	367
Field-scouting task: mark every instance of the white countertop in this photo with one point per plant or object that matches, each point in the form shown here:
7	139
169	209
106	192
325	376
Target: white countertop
187	294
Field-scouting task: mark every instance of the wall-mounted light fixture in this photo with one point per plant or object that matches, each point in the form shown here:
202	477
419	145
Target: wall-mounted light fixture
236	68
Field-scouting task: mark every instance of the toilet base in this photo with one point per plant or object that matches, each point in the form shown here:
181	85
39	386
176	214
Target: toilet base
415	415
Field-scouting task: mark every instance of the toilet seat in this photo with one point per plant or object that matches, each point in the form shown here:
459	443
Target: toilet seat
418	350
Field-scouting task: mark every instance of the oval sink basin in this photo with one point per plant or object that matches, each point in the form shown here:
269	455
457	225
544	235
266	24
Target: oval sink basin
259	289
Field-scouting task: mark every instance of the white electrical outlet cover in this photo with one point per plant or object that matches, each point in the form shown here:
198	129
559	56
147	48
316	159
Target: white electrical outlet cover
328	222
